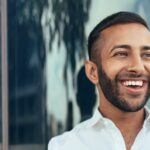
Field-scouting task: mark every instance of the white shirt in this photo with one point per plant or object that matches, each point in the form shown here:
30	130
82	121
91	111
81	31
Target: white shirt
99	133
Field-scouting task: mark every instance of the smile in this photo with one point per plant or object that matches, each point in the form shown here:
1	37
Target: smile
133	83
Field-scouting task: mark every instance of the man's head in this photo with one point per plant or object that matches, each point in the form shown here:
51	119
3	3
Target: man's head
114	19
119	52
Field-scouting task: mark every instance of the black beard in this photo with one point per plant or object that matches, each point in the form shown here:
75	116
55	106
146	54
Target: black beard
112	93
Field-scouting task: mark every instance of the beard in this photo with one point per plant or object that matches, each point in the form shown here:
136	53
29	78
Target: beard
112	93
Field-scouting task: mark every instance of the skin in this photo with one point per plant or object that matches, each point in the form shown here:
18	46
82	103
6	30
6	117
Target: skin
124	49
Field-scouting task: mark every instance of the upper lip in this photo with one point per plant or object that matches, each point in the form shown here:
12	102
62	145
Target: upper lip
134	79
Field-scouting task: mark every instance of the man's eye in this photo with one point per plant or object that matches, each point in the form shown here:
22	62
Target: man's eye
147	55
121	54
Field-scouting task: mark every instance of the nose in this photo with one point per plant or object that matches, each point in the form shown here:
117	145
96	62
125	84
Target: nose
136	65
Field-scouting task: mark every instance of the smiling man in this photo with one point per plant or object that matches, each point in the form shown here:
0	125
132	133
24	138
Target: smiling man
119	65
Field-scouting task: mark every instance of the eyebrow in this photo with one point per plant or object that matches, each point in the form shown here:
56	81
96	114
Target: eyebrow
145	48
129	47
123	46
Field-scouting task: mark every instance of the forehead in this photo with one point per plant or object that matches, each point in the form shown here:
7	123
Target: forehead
132	33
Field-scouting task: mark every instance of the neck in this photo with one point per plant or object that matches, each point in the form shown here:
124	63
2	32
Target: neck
121	118
129	123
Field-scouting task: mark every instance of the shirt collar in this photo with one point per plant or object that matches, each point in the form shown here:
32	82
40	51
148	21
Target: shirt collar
147	113
97	117
147	118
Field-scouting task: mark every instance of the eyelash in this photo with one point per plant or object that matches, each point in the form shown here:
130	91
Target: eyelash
121	54
125	54
147	55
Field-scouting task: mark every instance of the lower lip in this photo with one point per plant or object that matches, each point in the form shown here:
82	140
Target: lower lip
135	89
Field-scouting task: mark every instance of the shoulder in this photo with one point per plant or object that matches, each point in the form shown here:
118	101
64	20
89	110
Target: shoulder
70	138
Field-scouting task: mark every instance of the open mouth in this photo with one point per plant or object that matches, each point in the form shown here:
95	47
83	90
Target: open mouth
134	86
133	83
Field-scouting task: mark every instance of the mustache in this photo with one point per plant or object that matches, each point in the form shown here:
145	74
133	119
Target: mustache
133	75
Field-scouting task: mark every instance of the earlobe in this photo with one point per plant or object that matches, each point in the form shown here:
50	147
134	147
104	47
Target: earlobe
91	71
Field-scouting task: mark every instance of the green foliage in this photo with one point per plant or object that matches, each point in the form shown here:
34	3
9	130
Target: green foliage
70	17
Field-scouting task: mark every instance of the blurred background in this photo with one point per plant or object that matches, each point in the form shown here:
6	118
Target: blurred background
48	92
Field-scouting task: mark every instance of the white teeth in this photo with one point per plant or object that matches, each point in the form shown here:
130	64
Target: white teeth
133	83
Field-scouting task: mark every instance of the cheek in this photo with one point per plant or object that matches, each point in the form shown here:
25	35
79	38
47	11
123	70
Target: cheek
112	68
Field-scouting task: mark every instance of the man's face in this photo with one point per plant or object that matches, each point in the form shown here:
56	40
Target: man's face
124	66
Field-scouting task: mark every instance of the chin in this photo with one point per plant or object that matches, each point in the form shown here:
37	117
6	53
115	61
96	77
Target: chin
132	108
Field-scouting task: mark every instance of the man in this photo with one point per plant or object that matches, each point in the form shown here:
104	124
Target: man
119	65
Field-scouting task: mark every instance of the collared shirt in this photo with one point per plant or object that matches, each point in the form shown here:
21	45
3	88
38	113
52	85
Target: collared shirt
99	133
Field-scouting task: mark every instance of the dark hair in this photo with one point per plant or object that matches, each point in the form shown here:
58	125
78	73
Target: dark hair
114	19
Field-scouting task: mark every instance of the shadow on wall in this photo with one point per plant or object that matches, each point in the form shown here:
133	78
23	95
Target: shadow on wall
86	95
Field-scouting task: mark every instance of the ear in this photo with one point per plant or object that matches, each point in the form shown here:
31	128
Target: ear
91	71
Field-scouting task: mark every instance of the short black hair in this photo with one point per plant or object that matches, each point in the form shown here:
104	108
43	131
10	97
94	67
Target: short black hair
114	19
